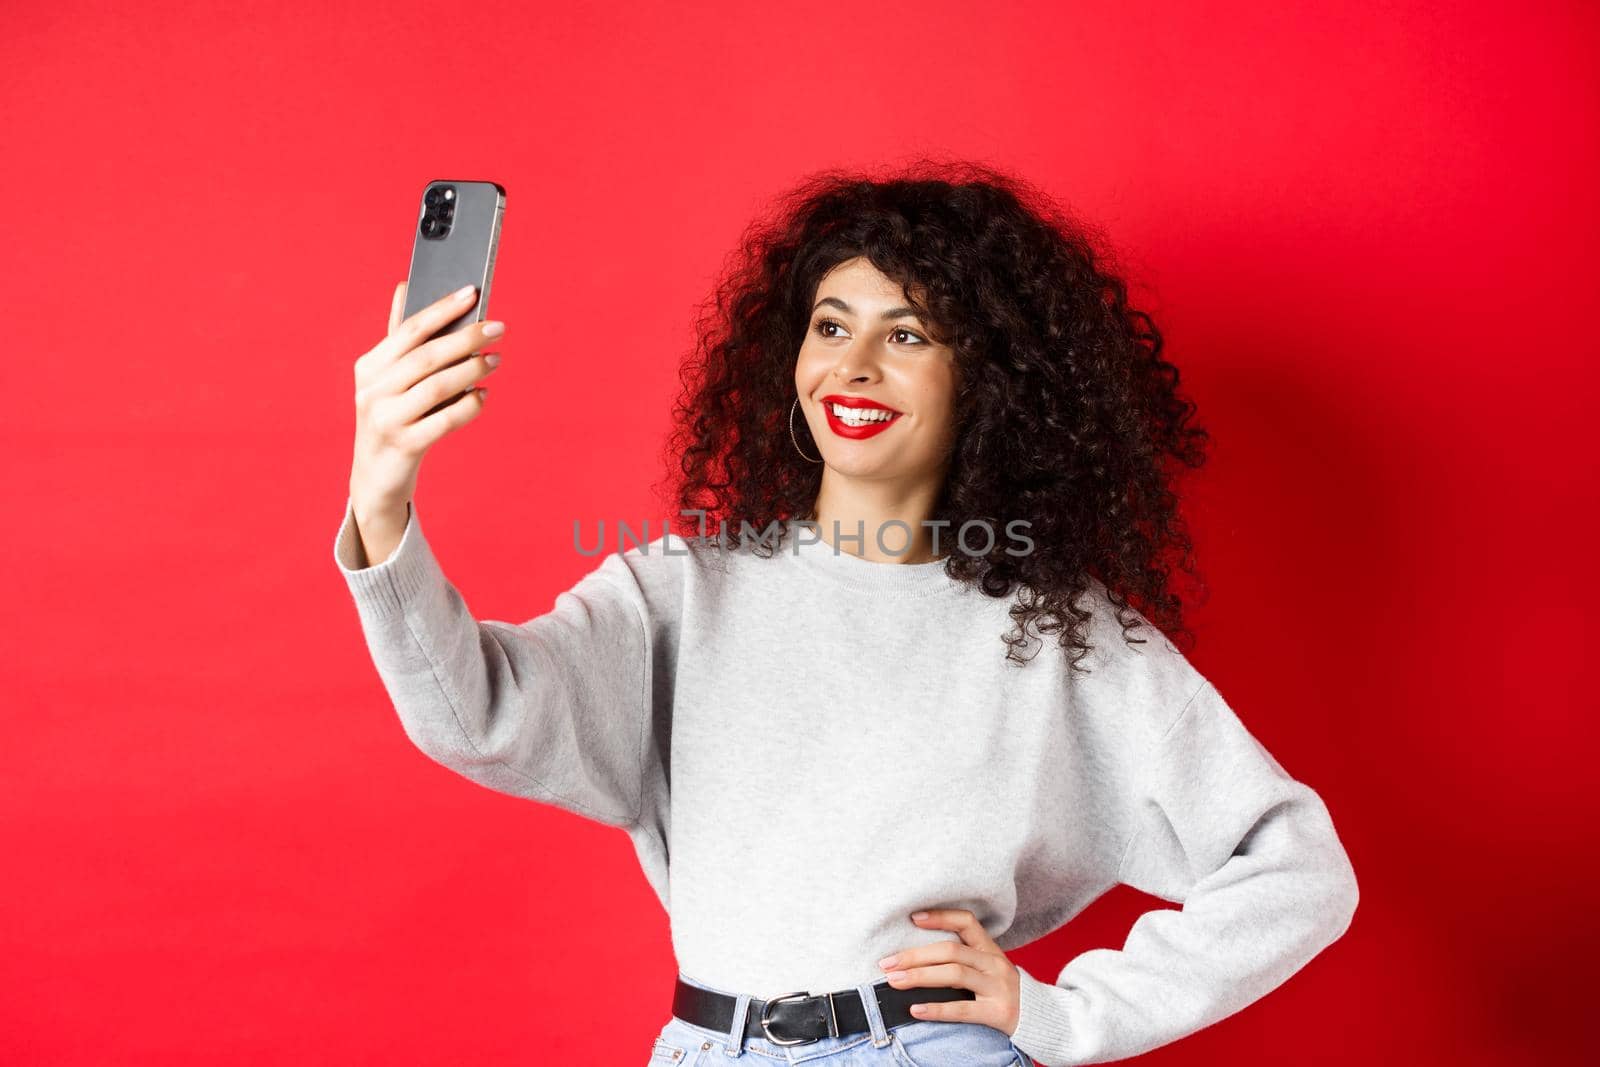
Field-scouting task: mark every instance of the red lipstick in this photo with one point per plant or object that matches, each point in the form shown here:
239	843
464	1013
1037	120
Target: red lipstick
857	433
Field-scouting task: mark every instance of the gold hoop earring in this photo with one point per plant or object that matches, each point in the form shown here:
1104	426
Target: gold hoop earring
795	439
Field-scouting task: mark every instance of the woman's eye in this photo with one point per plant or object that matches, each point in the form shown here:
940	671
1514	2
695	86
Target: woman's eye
823	324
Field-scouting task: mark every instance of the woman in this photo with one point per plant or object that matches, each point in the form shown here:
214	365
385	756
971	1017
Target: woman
922	429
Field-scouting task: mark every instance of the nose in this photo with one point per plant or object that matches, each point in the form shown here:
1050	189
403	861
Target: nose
855	368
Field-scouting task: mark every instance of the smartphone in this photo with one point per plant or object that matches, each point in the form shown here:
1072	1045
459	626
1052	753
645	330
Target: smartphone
457	236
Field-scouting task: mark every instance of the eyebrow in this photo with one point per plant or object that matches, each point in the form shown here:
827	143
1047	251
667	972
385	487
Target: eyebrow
892	313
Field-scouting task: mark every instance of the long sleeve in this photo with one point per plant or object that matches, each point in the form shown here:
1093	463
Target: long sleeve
1265	884
555	709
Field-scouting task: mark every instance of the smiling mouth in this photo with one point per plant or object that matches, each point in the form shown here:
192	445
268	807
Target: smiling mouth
861	416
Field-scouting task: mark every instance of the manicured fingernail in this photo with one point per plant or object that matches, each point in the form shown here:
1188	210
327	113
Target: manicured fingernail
888	961
493	359
895	976
464	291
919	915
493	329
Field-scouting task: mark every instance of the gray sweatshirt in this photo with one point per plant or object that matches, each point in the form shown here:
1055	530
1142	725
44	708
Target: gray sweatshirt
806	748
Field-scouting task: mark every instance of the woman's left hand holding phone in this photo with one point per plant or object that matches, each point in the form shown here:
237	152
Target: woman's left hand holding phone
411	390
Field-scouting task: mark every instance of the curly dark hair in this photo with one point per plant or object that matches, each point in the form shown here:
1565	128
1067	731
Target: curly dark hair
1066	414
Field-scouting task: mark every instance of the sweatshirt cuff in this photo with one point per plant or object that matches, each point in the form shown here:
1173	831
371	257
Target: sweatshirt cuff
1042	1024
384	589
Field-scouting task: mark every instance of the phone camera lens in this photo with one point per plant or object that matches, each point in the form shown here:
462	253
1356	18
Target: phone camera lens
438	212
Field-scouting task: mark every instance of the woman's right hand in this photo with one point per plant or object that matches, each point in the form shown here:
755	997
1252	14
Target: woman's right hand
397	382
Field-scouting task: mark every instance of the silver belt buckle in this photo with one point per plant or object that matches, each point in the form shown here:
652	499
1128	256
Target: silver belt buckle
766	1023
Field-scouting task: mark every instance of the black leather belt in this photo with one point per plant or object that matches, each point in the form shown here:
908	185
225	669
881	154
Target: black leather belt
800	1018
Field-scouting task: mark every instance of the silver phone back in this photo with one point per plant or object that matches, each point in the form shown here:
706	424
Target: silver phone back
461	254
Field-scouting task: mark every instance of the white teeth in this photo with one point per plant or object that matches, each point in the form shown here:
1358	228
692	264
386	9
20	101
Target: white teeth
860	416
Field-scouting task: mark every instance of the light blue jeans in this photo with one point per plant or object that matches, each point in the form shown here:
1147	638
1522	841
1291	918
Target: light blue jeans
924	1043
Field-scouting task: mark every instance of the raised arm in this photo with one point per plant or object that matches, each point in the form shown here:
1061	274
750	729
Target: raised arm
555	709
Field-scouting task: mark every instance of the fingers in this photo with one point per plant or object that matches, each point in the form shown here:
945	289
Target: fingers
455	412
939	952
989	1004
397	305
945	976
962	921
951	1011
975	962
444	386
933	974
412	332
442	354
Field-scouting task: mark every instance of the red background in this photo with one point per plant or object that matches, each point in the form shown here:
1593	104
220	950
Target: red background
1365	229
